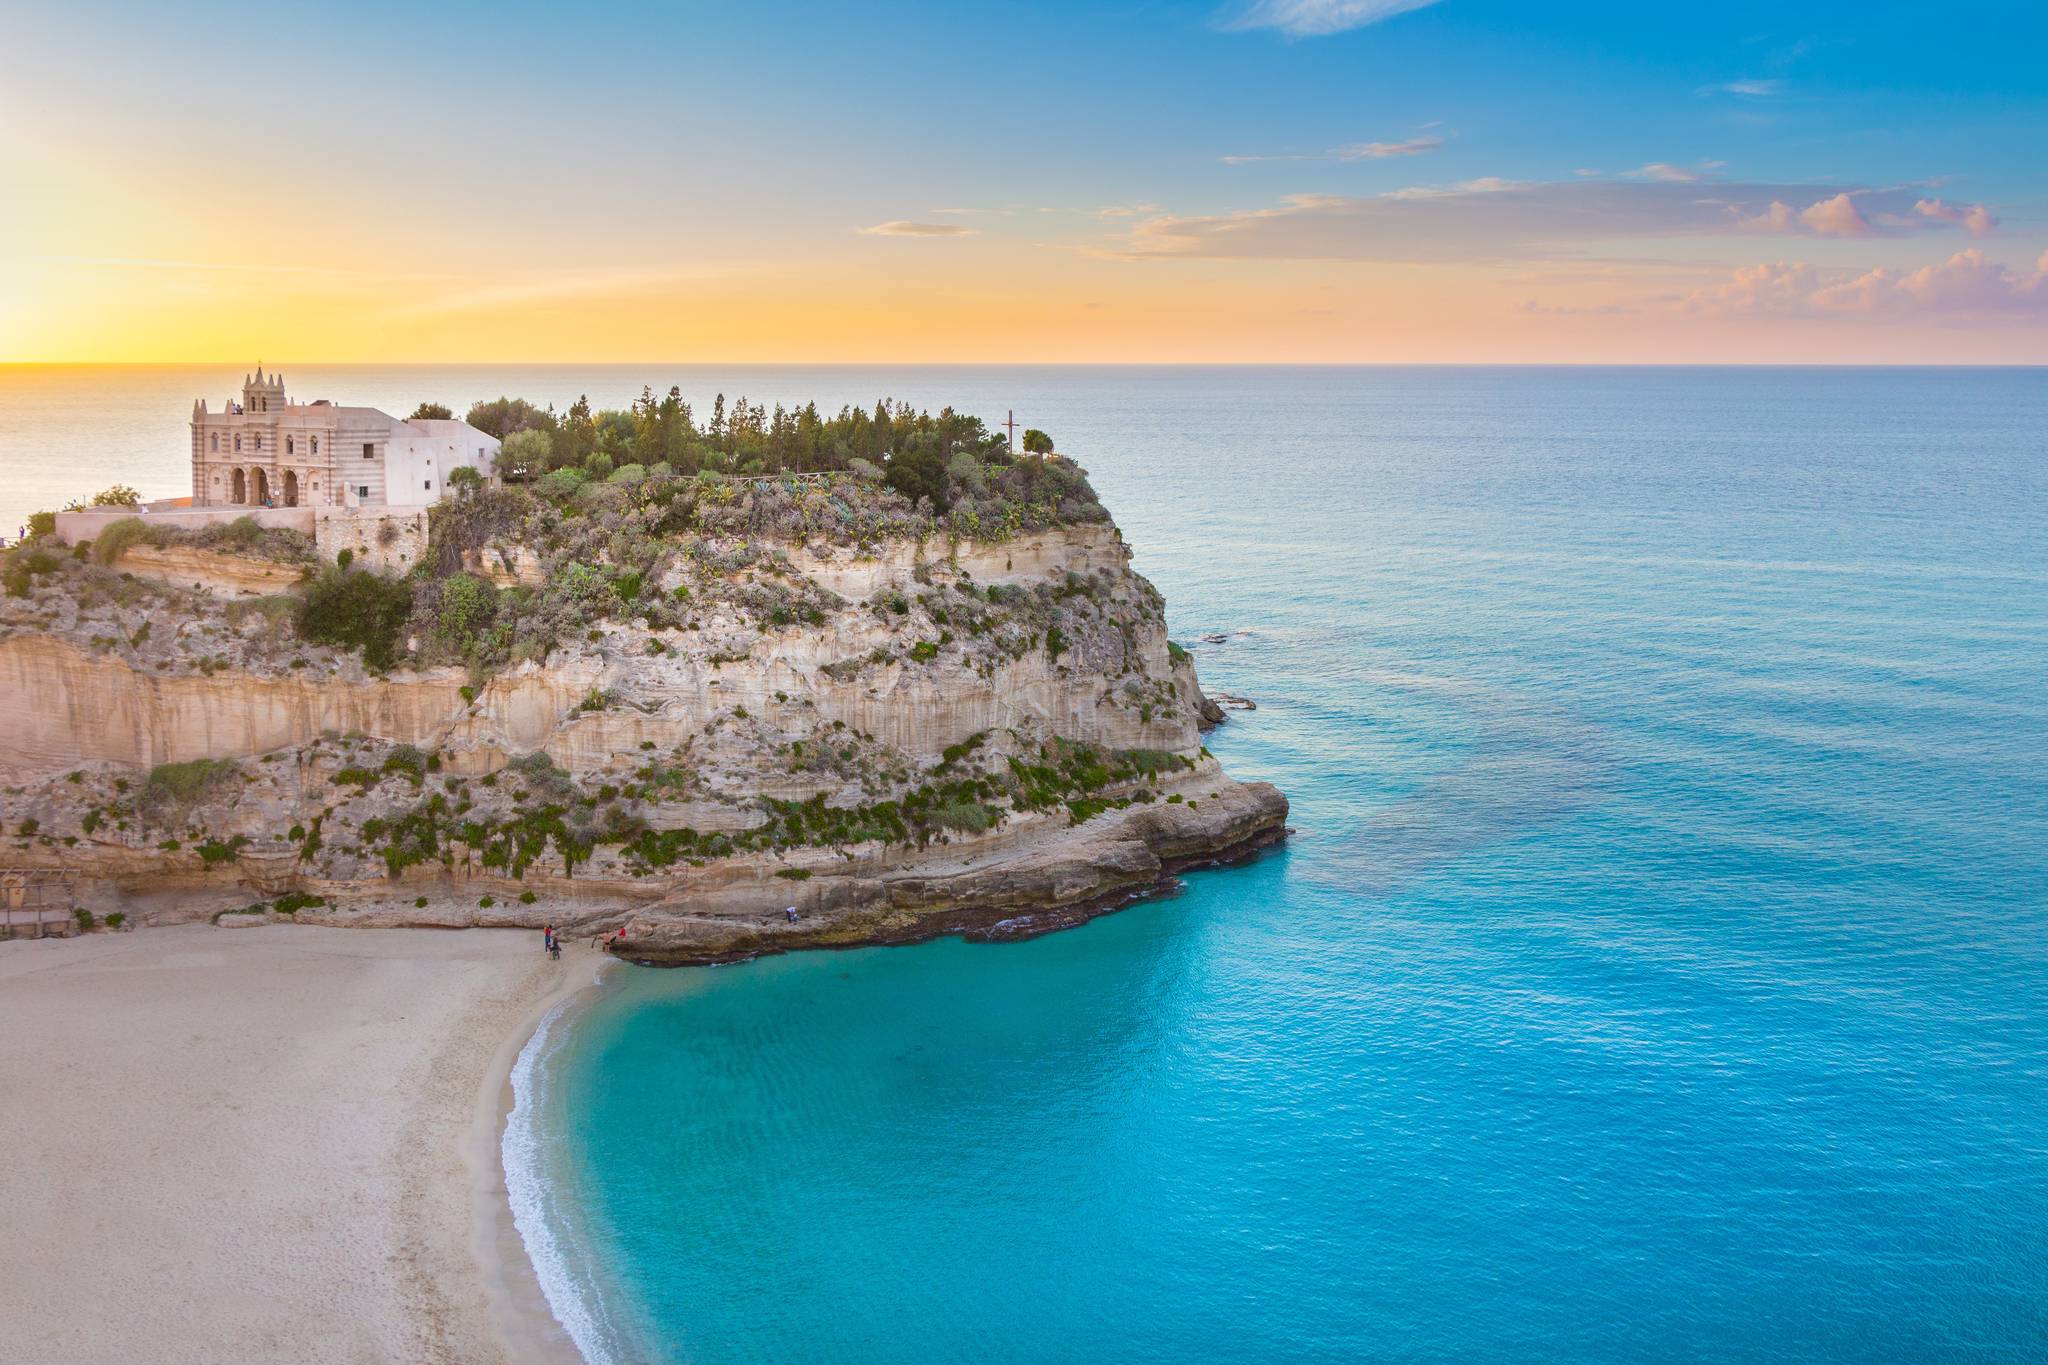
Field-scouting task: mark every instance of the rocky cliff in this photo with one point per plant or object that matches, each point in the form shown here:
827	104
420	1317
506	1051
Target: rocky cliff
893	738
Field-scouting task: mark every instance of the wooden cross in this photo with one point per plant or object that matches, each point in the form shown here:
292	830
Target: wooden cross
1011	427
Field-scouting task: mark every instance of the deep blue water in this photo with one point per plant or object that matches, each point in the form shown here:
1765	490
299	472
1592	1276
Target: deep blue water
1658	970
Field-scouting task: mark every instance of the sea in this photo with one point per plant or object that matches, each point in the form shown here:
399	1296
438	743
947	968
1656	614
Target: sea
1657	970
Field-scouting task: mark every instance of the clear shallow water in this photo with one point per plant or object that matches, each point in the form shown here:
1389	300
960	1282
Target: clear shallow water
1659	969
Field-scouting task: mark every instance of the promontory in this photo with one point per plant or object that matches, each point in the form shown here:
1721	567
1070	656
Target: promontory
730	688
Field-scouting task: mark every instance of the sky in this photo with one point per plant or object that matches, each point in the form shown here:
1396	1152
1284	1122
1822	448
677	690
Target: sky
1298	181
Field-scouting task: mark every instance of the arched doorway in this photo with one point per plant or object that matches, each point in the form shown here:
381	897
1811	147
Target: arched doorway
262	489
241	489
291	488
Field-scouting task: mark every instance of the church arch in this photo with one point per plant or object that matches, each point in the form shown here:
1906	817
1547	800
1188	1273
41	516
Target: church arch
240	490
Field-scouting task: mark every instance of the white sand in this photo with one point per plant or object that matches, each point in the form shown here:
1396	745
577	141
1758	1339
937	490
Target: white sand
263	1144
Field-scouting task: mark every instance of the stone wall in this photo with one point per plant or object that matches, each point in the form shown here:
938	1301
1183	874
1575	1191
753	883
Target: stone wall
389	538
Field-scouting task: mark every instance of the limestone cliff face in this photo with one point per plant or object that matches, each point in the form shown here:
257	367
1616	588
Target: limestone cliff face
401	798
224	575
62	704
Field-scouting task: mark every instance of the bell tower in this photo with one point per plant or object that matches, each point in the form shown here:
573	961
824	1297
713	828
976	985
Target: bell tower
260	394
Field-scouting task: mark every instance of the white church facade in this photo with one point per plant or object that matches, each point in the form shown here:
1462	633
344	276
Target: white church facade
267	451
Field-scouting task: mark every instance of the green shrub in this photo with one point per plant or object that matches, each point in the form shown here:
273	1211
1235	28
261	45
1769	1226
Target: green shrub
84	918
527	898
117	919
214	852
486	902
794	874
408	761
467	605
42	524
966	816
296	901
117	539
177	785
344	557
363	611
924	651
420	903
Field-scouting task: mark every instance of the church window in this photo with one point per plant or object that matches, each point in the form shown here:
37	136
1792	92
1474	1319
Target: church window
215	439
288	445
316	445
238	443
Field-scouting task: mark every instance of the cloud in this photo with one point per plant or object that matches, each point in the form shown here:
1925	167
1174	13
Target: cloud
1492	219
1568	310
1782	288
901	228
1357	151
1380	151
1752	89
1318	18
1967	284
1127	210
1836	217
1679	175
1974	217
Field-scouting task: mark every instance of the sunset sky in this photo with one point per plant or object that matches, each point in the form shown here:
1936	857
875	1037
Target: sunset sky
1261	180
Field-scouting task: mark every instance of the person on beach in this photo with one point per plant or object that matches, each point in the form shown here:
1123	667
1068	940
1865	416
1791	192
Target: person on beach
547	938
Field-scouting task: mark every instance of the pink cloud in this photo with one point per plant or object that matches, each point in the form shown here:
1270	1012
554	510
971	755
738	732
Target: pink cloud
1974	217
1774	288
1380	151
1966	284
1664	170
1834	217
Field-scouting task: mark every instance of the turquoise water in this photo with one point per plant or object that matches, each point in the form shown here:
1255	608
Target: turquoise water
1658	969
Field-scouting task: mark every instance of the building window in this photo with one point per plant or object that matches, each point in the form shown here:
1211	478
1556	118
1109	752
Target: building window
287	445
316	445
363	491
238	443
369	450
427	484
215	439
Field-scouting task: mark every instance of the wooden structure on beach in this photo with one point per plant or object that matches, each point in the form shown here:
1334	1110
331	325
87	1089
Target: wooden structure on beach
38	902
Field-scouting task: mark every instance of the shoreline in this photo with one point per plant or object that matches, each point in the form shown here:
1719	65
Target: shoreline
522	1315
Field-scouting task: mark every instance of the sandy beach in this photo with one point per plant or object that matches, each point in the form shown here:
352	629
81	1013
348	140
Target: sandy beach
262	1144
